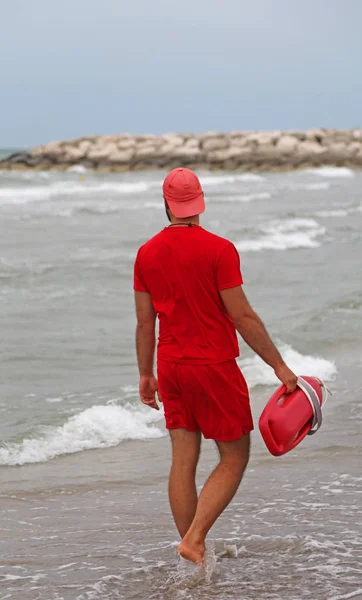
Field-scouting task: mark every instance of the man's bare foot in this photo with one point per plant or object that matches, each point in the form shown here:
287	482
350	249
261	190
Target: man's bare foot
192	551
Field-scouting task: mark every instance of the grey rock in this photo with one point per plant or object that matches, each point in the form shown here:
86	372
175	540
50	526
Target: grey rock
238	139
354	147
121	157
358	158
214	143
173	139
18	158
192	143
126	143
345	136
287	144
310	148
268	154
263	137
315	135
235	153
144	151
187	154
100	152
74	155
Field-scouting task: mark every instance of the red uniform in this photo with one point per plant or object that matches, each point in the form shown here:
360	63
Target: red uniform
200	384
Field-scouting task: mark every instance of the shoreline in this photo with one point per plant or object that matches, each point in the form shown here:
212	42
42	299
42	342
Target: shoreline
269	151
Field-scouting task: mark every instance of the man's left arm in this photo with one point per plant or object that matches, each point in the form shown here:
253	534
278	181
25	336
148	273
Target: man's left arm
145	346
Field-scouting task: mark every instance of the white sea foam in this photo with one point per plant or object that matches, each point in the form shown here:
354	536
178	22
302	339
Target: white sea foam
339	212
96	427
189	575
333	213
354	594
33	578
157	205
24	195
77	169
256	196
213	180
20	267
256	372
283	235
25	175
242	197
54	400
332	172
323	185
104	207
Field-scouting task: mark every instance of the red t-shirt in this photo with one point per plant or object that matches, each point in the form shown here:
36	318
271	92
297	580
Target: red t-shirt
183	269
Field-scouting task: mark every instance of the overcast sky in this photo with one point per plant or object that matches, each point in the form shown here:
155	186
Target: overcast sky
80	67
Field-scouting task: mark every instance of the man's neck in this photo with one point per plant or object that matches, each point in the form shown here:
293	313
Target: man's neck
182	222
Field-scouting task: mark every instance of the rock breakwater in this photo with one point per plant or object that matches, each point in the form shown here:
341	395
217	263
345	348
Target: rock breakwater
239	150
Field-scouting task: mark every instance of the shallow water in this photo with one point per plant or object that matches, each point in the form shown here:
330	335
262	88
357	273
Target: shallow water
83	467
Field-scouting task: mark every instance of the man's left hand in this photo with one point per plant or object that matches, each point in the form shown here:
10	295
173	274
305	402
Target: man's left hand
148	389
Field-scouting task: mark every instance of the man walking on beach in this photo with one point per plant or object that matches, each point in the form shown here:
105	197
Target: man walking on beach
191	279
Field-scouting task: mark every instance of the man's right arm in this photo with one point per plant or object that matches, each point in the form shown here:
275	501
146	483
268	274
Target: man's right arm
253	332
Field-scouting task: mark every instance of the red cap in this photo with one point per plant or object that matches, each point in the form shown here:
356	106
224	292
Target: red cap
183	192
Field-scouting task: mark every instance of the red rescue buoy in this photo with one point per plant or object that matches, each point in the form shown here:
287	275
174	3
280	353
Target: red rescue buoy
288	418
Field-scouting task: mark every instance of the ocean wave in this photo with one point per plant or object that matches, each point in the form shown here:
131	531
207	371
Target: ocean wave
77	169
103	209
240	197
24	195
25	175
284	235
96	427
349	305
104	255
90	187
339	212
323	185
111	207
20	268
256	196
348	596
211	180
256	372
332	172
108	207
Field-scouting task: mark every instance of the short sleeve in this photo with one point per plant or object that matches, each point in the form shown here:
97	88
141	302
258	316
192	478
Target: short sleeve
138	284
228	272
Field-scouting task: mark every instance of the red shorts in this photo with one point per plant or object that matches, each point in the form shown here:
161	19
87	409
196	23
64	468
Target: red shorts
211	398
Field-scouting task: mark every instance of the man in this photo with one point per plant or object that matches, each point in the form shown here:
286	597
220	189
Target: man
191	279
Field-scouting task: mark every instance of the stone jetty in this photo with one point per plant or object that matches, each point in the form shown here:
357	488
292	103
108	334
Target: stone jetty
237	150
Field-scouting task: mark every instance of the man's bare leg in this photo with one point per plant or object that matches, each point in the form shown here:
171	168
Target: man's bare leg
216	494
182	485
